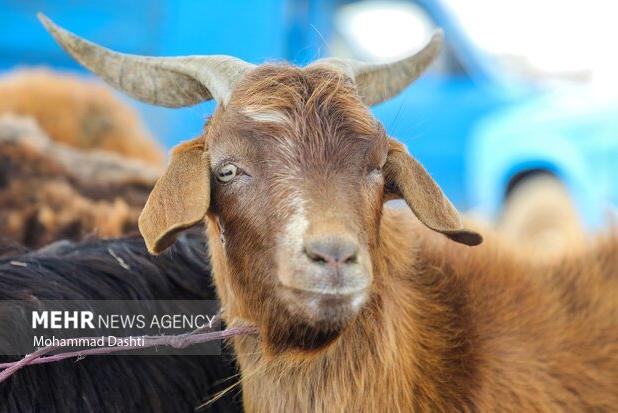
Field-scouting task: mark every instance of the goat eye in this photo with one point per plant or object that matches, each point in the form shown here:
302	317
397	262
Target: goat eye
227	172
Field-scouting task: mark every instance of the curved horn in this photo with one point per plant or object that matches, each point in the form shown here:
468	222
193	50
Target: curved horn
377	82
164	81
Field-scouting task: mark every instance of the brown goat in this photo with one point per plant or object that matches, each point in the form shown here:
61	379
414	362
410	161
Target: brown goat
540	215
49	191
360	307
78	113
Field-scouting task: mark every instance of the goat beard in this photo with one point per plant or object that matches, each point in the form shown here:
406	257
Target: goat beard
286	332
300	337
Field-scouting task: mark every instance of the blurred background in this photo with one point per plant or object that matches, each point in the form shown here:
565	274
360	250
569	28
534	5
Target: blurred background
517	121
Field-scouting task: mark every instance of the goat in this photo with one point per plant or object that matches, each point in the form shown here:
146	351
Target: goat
78	113
540	214
88	271
50	191
360	307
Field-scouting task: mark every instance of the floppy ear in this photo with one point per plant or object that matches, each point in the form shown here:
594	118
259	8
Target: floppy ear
406	178
180	198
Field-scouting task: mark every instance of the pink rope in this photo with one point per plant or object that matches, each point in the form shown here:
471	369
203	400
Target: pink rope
180	341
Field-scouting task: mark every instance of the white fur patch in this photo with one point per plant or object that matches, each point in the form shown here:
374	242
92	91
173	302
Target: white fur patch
265	115
296	226
291	241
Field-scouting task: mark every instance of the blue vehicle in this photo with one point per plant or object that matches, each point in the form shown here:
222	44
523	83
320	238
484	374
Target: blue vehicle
480	132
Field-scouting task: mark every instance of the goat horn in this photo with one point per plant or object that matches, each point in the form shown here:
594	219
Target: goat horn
163	81
377	82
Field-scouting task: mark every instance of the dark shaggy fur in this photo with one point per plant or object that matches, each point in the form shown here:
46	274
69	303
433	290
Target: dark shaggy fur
64	270
50	192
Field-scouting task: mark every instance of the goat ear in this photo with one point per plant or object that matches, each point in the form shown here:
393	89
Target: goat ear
180	198
406	178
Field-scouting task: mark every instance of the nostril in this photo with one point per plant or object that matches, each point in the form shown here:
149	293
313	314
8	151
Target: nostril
350	260
332	251
315	256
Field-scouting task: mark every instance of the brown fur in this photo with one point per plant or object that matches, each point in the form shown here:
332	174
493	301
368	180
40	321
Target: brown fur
457	329
445	327
79	113
43	201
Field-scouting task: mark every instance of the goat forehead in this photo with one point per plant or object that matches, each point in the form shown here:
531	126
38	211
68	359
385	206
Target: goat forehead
305	162
285	150
295	122
292	97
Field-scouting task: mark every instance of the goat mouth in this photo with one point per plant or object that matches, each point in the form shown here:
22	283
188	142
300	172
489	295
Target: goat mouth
327	294
324	306
317	285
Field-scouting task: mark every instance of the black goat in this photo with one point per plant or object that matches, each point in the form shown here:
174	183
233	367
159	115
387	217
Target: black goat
88	271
